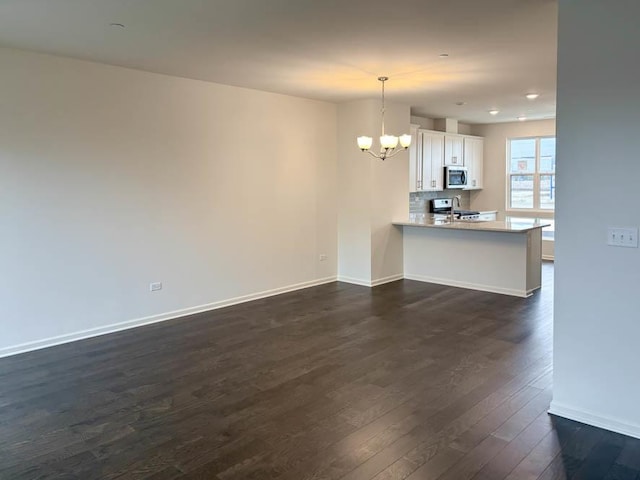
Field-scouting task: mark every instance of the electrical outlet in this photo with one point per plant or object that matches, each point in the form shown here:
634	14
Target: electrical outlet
622	237
155	286
323	257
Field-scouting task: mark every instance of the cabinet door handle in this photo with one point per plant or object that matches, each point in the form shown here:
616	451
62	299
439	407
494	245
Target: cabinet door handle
433	183
454	159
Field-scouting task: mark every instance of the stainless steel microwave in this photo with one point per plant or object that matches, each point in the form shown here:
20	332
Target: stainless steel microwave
455	177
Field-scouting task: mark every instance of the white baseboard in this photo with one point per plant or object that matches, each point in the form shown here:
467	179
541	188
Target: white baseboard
389	279
162	317
595	420
369	283
472	286
354	281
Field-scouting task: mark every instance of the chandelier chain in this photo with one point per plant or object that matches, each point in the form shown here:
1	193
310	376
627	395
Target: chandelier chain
382	79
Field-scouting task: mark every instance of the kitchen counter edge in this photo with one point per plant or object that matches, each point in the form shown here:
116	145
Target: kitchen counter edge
492	226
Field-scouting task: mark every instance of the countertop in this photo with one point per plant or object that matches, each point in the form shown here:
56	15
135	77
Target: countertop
509	225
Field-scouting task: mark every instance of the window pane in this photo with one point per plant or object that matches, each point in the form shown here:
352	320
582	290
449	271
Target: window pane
547	192
523	155
548	155
521	191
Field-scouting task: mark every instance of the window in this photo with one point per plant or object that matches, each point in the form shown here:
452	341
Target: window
531	168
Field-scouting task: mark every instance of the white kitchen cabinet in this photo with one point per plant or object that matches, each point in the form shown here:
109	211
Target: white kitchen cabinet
426	161
454	150
413	159
431	151
431	161
474	161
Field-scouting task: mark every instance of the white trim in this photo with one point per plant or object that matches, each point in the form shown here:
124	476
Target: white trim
590	418
532	210
354	281
371	283
472	286
389	279
126	325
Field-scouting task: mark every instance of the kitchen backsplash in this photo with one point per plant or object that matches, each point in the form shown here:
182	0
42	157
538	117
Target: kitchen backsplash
419	201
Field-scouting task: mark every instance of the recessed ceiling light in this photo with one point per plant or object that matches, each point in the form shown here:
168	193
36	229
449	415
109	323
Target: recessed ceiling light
494	111
444	55
532	96
117	25
461	103
522	118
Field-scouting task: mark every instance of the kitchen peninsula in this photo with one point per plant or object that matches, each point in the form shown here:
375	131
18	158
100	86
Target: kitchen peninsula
498	256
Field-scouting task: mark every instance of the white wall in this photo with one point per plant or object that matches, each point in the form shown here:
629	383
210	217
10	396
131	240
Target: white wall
390	201
493	195
113	178
429	124
597	306
354	191
372	193
424	122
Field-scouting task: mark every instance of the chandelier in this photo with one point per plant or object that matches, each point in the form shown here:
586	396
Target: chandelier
388	143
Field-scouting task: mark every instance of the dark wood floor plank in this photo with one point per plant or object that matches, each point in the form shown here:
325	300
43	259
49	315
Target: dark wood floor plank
516	450
597	464
619	472
473	461
630	455
537	461
469	439
556	470
407	380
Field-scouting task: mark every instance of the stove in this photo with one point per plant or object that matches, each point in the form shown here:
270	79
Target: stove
442	206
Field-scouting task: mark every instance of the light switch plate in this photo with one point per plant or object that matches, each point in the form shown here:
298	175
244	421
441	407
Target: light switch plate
622	237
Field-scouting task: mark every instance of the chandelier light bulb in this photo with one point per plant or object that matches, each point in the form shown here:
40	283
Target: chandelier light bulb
364	143
388	141
405	141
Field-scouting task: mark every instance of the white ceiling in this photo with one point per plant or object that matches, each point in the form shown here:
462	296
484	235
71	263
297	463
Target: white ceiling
323	49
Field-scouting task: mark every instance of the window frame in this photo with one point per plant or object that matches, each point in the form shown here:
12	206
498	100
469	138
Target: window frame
536	178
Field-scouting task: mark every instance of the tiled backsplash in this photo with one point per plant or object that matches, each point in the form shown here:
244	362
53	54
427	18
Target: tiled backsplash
419	201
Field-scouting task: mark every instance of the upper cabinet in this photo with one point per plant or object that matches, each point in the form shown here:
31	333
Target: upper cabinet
426	160
454	150
413	159
431	151
473	160
426	157
432	161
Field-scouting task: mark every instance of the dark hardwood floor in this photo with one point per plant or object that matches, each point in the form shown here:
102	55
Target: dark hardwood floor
408	380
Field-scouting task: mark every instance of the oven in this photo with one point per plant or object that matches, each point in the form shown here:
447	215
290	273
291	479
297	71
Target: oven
441	208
